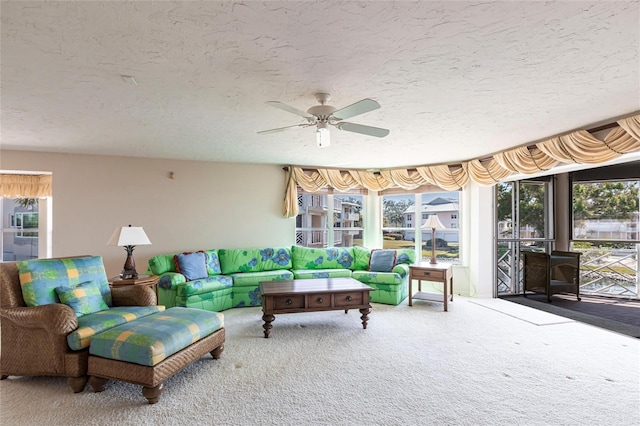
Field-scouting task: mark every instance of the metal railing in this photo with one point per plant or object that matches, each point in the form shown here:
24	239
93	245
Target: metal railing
604	271
609	271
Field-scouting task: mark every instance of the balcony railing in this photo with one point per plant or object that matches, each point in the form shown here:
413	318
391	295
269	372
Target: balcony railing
604	271
311	238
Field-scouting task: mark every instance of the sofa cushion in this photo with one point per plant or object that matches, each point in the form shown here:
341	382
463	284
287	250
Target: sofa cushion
272	259
149	340
254	260
252	279
213	262
84	299
321	273
205	285
361	256
192	265
40	277
406	256
367	277
382	260
162	263
322	258
92	324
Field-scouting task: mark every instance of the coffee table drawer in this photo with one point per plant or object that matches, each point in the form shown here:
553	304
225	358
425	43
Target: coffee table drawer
348	299
319	300
289	302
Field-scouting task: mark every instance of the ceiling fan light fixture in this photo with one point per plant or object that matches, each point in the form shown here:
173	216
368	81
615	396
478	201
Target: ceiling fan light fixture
323	115
323	137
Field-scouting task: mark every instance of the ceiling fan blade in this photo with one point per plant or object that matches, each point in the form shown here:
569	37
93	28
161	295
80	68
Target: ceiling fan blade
290	109
280	129
365	130
358	108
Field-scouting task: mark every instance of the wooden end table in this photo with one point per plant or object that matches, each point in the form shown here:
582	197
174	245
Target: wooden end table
436	272
148	280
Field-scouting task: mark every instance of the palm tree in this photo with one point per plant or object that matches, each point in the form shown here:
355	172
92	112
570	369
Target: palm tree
27	203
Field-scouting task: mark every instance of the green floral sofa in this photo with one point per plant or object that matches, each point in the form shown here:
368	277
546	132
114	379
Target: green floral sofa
232	276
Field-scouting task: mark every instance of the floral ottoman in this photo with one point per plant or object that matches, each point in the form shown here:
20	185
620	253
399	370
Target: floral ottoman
149	350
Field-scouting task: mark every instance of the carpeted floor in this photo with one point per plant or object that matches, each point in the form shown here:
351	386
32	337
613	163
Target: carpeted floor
615	314
485	362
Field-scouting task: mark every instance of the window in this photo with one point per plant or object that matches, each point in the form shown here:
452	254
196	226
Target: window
317	227
311	222
606	222
19	229
524	222
446	206
605	210
400	230
349	218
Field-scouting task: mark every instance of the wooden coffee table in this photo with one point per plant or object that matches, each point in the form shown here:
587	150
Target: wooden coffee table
313	295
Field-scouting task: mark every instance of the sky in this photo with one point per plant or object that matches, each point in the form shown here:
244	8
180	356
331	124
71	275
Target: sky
426	197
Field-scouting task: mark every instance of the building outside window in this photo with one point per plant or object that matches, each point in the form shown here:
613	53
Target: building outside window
19	228
316	227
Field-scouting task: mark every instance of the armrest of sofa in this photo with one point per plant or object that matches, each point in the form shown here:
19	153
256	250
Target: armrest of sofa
170	280
55	318
133	295
401	269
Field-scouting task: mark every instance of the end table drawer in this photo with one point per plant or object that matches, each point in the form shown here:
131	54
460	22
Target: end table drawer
319	300
422	274
288	302
348	299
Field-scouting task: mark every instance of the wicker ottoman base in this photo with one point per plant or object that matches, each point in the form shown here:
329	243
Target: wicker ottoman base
101	370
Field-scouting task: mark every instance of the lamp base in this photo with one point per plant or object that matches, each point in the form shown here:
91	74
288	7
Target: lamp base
129	270
433	247
128	274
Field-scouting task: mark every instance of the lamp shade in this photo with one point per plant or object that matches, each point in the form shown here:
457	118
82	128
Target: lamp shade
129	236
433	223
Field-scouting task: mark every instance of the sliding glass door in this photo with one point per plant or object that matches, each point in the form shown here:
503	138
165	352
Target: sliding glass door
524	222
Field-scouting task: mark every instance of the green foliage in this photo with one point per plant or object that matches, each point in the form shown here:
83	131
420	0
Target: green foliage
393	212
582	245
605	200
504	200
530	208
28	203
440	243
393	236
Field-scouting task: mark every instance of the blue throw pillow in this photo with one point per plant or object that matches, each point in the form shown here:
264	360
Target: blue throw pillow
193	265
84	299
382	260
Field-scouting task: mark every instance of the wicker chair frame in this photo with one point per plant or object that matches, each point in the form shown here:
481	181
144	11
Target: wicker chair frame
34	339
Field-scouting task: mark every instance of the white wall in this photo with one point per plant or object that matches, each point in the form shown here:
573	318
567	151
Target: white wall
207	205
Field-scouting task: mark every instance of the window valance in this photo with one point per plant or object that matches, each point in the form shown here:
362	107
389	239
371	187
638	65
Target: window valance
576	147
25	186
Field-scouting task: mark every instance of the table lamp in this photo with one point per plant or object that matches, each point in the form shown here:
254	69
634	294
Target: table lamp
129	237
433	223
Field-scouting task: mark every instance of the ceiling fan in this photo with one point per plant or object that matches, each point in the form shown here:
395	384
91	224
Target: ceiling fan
324	115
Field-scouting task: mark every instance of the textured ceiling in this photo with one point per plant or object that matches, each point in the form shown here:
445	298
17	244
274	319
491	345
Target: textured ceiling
456	80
